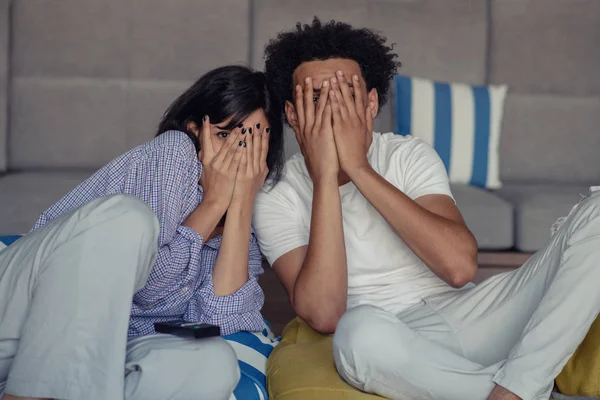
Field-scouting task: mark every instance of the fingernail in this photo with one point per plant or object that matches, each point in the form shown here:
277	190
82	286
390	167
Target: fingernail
244	144
258	126
332	93
334	80
250	131
241	142
204	118
325	83
268	130
240	125
355	77
340	73
298	88
307	80
244	131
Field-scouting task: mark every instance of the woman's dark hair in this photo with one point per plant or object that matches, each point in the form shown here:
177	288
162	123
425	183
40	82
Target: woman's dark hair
323	41
230	91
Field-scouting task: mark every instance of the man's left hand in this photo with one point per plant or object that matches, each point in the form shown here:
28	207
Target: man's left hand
352	122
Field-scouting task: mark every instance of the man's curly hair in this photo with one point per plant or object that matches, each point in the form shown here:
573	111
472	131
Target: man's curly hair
323	41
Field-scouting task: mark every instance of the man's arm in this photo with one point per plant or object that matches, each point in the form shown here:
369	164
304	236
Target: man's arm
431	226
315	276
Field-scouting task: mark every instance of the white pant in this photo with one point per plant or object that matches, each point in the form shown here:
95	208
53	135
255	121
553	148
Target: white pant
516	329
65	300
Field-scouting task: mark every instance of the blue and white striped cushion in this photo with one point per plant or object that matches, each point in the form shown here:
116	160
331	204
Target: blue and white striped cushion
462	122
6	241
252	349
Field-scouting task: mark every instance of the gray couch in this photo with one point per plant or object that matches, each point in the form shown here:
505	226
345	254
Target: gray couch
83	81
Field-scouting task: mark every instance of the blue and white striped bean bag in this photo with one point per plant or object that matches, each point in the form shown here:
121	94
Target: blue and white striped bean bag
252	349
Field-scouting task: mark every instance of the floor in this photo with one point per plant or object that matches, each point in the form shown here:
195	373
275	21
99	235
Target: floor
278	312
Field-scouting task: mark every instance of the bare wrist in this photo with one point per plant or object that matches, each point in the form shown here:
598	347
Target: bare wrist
325	180
359	170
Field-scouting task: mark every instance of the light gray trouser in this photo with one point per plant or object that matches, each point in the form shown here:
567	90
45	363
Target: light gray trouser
65	301
516	329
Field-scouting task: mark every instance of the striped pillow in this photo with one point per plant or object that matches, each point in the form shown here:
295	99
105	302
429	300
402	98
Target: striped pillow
253	350
462	122
6	241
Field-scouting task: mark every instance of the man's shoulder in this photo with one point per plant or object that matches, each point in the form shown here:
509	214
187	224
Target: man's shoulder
391	147
294	182
395	142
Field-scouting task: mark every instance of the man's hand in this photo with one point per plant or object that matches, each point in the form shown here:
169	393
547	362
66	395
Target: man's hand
253	170
352	123
315	134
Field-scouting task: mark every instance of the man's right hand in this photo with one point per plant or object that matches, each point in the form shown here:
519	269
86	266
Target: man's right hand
315	133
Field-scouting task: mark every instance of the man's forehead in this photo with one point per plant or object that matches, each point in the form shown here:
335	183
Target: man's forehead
321	70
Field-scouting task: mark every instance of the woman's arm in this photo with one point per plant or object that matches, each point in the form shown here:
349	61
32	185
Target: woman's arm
231	268
240	310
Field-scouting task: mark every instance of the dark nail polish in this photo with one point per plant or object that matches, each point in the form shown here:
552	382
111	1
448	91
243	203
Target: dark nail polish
244	144
244	131
268	130
240	125
204	118
257	126
250	131
241	142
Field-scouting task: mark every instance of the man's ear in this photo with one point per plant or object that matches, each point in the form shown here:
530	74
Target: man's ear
193	128
373	102
290	114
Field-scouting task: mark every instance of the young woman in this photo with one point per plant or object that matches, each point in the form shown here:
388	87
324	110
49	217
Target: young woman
161	233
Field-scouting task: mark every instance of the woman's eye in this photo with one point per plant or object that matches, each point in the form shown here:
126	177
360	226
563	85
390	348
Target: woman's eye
223	135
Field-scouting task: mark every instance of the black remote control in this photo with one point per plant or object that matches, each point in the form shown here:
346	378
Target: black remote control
187	329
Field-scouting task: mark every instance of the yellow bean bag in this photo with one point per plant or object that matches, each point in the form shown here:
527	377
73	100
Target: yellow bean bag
301	367
581	374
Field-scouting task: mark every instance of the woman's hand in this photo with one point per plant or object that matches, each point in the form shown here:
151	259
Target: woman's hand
219	170
253	170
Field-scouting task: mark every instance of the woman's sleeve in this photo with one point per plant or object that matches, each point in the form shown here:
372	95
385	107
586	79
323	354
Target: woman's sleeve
239	311
164	180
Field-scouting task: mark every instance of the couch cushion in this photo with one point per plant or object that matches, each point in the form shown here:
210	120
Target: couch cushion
92	79
537	207
489	217
550	138
83	123
548	46
24	196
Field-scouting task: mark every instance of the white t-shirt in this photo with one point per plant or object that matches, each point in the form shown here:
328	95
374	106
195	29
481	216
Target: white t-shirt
382	270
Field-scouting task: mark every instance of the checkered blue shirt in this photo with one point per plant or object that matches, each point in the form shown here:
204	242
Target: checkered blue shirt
164	173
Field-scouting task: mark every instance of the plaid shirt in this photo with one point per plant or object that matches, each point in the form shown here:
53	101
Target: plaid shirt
164	173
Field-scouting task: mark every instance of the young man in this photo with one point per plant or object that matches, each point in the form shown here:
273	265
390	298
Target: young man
365	236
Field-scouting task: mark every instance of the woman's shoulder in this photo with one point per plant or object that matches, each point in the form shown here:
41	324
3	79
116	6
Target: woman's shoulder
171	142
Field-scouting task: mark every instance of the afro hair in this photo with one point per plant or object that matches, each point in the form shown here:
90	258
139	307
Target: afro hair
323	41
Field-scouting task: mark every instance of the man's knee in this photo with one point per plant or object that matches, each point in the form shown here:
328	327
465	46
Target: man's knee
585	221
362	339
